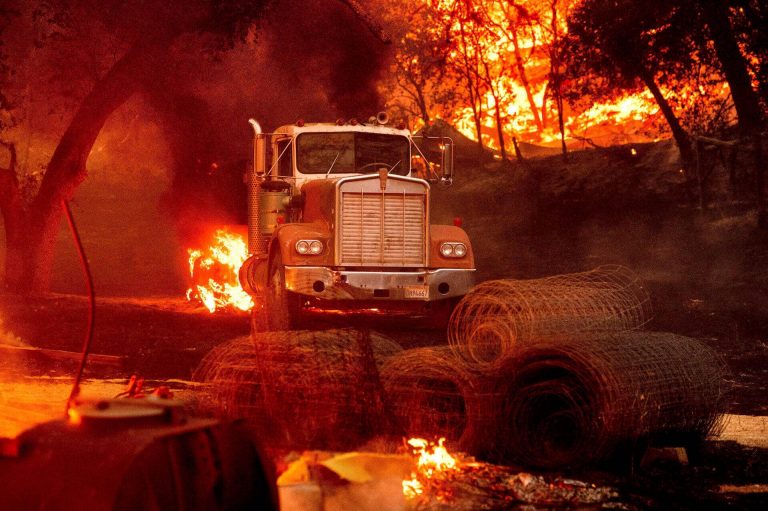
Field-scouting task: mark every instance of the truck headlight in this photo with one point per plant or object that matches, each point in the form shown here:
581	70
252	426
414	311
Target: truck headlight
453	249
309	247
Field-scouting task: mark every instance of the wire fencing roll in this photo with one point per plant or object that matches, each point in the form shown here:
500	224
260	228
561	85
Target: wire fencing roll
300	389
577	400
547	373
498	317
431	394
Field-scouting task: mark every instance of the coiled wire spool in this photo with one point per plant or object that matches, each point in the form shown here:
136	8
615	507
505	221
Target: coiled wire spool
300	389
573	401
500	316
432	394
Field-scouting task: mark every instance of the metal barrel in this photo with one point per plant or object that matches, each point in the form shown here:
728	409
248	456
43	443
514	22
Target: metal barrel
128	464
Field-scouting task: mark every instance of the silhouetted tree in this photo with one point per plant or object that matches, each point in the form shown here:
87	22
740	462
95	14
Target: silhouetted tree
146	31
124	45
620	41
717	21
649	40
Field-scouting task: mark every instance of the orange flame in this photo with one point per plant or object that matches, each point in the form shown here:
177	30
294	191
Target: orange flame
507	47
214	273
432	459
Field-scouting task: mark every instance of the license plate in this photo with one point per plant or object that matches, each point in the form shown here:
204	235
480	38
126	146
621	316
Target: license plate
417	291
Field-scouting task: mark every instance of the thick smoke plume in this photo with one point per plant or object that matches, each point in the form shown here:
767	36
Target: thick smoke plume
314	60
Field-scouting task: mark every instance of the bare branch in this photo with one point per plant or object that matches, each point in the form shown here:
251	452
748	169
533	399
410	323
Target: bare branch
369	21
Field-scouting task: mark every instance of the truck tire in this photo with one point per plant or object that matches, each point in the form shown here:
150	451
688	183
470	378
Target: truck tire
282	306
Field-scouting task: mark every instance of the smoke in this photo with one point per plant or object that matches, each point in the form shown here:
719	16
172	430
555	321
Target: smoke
321	42
314	60
167	168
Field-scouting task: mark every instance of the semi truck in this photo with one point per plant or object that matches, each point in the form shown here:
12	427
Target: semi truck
339	221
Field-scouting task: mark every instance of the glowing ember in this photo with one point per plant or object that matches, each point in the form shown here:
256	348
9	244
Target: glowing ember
432	460
214	273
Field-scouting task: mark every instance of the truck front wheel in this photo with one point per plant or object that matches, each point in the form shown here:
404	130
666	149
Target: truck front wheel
282	306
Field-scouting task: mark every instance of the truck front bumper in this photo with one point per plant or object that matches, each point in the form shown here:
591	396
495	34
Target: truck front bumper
426	285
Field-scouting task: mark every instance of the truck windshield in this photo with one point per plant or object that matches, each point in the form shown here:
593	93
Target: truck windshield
351	152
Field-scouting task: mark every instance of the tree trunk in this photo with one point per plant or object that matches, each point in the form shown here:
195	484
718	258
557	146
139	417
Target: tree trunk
500	131
477	113
422	103
473	86
745	99
415	92
13	210
496	113
526	85
561	121
556	78
67	170
680	135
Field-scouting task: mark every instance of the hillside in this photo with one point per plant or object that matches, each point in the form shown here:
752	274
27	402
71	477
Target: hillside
626	205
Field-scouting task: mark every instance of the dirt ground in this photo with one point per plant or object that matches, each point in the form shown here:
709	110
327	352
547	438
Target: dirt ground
705	270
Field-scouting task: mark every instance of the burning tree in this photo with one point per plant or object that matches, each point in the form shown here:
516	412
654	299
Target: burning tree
636	70
629	41
494	56
617	43
420	82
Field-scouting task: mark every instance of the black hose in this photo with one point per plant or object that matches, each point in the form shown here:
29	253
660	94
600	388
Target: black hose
91	302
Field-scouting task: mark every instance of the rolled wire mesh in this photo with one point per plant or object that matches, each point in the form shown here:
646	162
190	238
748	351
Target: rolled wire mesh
300	389
499	316
575	401
432	394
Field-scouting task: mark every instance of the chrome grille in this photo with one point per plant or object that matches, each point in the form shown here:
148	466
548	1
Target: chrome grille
382	228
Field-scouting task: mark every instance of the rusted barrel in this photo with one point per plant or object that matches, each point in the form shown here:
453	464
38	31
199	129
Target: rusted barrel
130	459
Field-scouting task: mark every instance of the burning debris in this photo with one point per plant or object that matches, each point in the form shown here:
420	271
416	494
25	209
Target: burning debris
432	460
469	485
428	477
213	271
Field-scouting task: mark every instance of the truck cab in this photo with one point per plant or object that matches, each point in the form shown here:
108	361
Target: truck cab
338	220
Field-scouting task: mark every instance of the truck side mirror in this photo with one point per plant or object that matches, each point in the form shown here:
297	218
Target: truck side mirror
447	162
